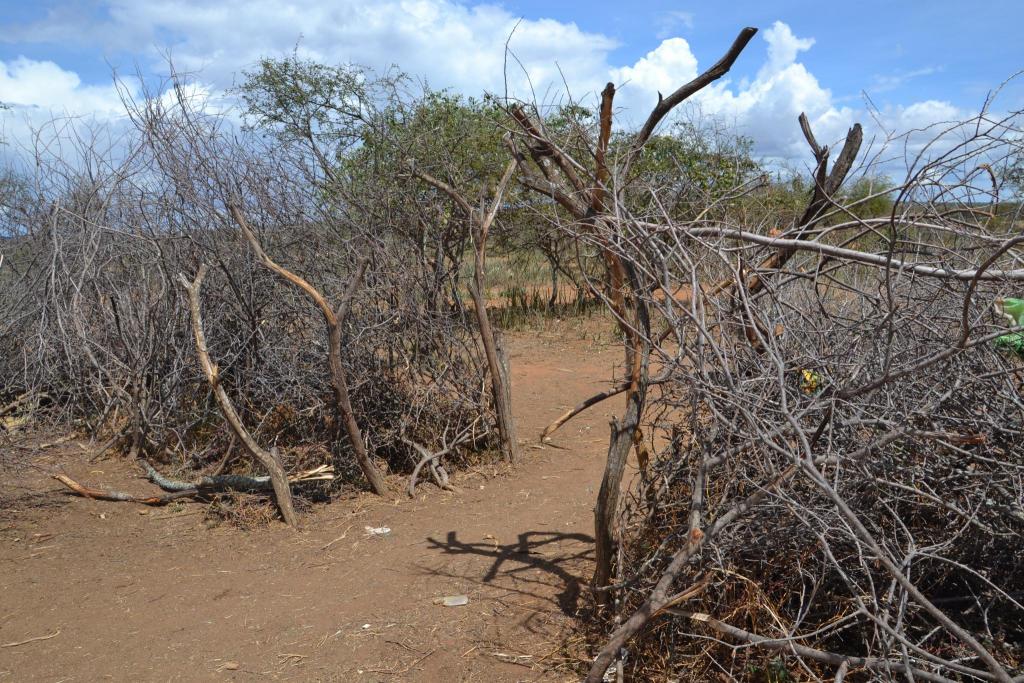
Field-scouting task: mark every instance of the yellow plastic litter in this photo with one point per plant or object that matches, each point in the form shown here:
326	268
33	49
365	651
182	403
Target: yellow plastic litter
810	381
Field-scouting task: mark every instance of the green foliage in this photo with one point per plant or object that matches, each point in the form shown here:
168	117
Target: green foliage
779	203
452	137
574	128
693	165
365	129
328	107
1013	342
1012	309
868	197
1013	176
362	129
773	672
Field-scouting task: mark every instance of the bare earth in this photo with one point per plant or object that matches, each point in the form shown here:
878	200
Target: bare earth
161	597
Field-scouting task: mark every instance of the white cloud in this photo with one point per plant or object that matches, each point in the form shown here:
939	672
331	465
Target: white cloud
47	106
783	46
670	22
890	82
26	83
662	70
923	114
451	45
766	108
44	102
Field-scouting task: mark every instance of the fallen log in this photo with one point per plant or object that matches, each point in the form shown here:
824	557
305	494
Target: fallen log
118	496
182	489
236	482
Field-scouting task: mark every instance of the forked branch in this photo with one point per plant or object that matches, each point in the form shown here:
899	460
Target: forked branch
480	223
334	319
684	92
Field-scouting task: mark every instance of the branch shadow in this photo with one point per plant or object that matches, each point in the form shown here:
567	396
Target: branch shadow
525	555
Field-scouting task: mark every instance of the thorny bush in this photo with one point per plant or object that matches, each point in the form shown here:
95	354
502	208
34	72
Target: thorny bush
96	330
831	475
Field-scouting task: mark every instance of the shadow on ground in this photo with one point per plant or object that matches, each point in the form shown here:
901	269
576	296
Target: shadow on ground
514	560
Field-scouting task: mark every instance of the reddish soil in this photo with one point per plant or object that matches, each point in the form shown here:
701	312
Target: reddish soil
157	594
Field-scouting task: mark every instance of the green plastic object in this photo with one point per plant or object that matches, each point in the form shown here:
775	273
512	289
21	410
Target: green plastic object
1013	311
1011	342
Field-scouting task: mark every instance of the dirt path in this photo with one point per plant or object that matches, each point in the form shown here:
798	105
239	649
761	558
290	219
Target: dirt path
161	597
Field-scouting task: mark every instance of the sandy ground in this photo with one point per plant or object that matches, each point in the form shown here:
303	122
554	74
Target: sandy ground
155	594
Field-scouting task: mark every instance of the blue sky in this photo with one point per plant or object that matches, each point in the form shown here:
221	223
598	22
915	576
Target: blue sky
919	62
869	45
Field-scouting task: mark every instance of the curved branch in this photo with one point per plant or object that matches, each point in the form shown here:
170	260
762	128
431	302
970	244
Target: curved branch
583	405
269	460
333	319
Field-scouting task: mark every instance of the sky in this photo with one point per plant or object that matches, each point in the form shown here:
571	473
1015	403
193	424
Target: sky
895	66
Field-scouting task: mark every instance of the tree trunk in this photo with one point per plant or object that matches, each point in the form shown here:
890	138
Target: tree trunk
480	222
607	506
553	299
334	320
500	385
343	403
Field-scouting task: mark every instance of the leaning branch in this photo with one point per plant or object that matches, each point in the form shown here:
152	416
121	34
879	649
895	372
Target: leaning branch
583	405
843	253
282	492
333	318
480	223
667	104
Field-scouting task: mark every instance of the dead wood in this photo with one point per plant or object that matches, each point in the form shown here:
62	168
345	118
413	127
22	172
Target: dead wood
833	658
334	319
580	407
118	496
481	220
269	460
235	482
37	638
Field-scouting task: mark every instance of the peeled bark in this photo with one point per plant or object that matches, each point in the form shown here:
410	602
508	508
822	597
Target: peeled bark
269	460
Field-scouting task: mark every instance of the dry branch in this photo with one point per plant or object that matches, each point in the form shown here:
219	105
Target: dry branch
481	221
583	405
37	638
334	320
118	496
788	645
236	482
684	92
269	460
